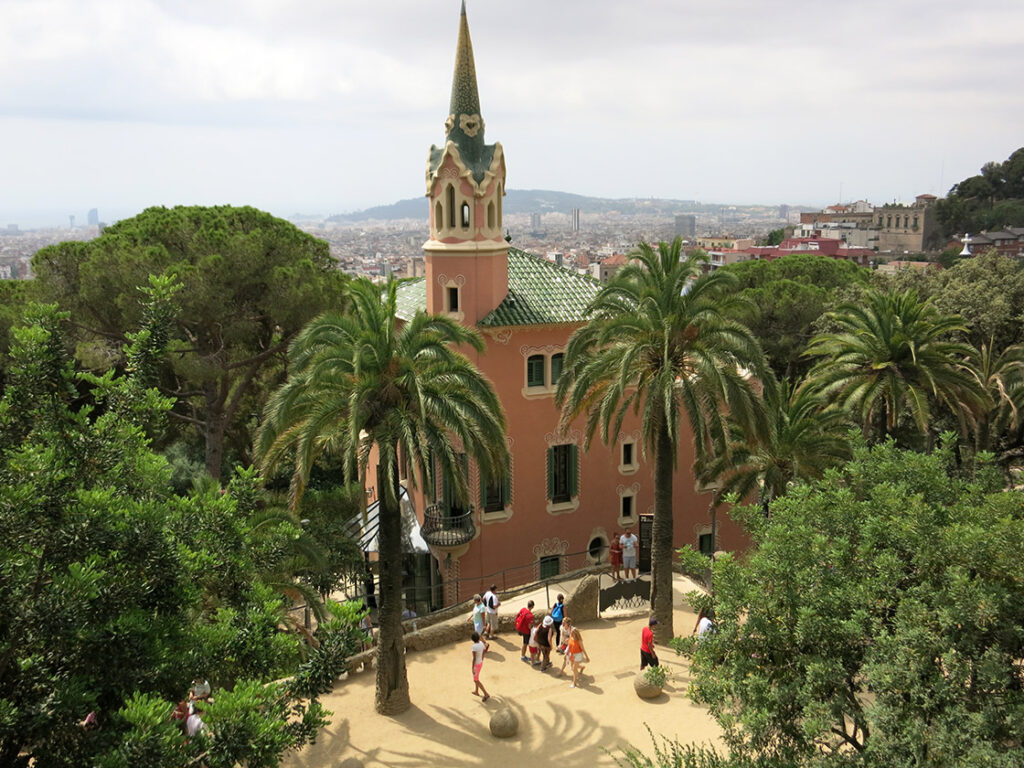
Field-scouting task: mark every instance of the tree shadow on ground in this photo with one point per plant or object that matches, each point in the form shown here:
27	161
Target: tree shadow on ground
569	738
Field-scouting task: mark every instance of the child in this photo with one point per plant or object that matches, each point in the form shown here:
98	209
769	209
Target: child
479	649
579	656
563	642
534	647
563	634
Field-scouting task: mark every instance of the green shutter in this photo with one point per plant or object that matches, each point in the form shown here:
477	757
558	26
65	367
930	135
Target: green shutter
556	368
551	473
574	470
506	486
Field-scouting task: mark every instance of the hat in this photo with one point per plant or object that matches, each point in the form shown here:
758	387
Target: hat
652	622
548	621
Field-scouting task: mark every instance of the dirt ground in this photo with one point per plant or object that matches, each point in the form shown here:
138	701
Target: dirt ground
579	728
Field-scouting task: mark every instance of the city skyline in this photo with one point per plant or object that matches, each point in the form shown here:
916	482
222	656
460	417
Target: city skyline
330	107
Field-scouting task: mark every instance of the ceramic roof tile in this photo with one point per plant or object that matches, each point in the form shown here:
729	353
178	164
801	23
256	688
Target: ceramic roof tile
539	293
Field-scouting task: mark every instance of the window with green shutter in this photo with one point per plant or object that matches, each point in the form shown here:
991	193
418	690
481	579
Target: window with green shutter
535	371
495	495
449	500
550	566
563	473
556	368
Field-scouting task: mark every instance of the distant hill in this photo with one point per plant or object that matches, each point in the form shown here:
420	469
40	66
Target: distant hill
539	201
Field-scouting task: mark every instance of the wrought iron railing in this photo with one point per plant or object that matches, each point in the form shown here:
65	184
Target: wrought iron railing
440	529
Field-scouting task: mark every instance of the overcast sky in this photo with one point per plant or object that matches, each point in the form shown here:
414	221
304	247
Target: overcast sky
331	105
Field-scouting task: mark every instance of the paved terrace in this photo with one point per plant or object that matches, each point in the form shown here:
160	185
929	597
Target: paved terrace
447	726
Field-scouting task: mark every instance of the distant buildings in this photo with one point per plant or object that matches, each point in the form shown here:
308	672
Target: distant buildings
894	227
1007	242
686	225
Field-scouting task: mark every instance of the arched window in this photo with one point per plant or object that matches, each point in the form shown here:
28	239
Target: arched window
535	371
490	215
438	216
499	205
451	206
465	215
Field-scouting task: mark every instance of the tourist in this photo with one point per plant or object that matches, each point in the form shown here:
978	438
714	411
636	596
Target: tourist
648	656
579	656
491	603
534	645
557	614
477	617
705	624
408	613
194	724
524	623
479	649
563	642
545	639
615	552
200	690
628	541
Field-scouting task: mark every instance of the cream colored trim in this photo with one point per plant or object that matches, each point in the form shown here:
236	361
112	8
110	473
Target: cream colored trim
563	507
631	491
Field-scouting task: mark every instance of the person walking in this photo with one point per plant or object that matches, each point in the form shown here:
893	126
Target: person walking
648	656
629	542
479	649
544	642
557	614
491	603
579	656
615	553
524	624
705	623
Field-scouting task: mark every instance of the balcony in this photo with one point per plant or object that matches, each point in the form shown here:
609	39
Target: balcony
447	531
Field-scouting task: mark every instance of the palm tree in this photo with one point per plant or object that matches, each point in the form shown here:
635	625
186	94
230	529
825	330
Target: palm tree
894	355
366	380
800	440
1002	376
659	342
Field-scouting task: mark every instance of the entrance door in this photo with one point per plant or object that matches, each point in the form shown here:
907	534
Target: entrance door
643	560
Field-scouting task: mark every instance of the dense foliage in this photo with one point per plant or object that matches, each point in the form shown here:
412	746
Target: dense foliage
878	621
786	297
250	281
115	593
991	200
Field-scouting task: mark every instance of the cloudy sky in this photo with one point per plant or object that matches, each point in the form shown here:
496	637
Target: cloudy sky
331	105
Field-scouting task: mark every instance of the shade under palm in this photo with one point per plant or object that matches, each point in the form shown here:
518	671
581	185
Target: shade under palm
365	380
660	343
893	356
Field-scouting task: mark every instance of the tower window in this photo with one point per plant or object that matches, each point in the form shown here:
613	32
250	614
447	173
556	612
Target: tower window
490	215
438	216
465	215
453	298
451	206
627	453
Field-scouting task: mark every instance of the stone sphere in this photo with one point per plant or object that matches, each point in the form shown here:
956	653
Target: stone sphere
504	723
644	689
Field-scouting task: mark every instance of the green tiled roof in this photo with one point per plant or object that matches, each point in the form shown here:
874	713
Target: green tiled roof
411	297
539	293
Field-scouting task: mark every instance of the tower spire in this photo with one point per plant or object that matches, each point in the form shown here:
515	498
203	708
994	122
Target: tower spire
465	126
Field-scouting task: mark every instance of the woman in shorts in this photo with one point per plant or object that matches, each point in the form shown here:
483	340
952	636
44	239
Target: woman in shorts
578	655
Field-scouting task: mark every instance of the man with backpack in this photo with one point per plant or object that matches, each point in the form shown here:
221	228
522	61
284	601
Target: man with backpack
491	603
524	623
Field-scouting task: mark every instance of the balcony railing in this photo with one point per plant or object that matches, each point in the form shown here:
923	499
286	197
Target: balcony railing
443	530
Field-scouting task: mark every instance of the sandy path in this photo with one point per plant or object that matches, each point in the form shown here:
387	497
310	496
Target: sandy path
448	726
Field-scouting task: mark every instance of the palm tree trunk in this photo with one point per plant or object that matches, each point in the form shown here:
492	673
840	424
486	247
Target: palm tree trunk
392	681
661	538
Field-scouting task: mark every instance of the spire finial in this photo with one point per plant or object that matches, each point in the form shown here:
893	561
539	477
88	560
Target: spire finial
465	97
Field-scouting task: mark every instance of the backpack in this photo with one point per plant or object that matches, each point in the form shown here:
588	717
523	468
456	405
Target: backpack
524	621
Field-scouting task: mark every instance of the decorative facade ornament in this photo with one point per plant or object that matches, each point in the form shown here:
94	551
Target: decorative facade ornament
626	490
561	438
547	349
549	547
471	125
444	280
502	336
449	124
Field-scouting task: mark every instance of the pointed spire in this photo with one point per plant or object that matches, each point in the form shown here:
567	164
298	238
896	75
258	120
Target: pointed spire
465	97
